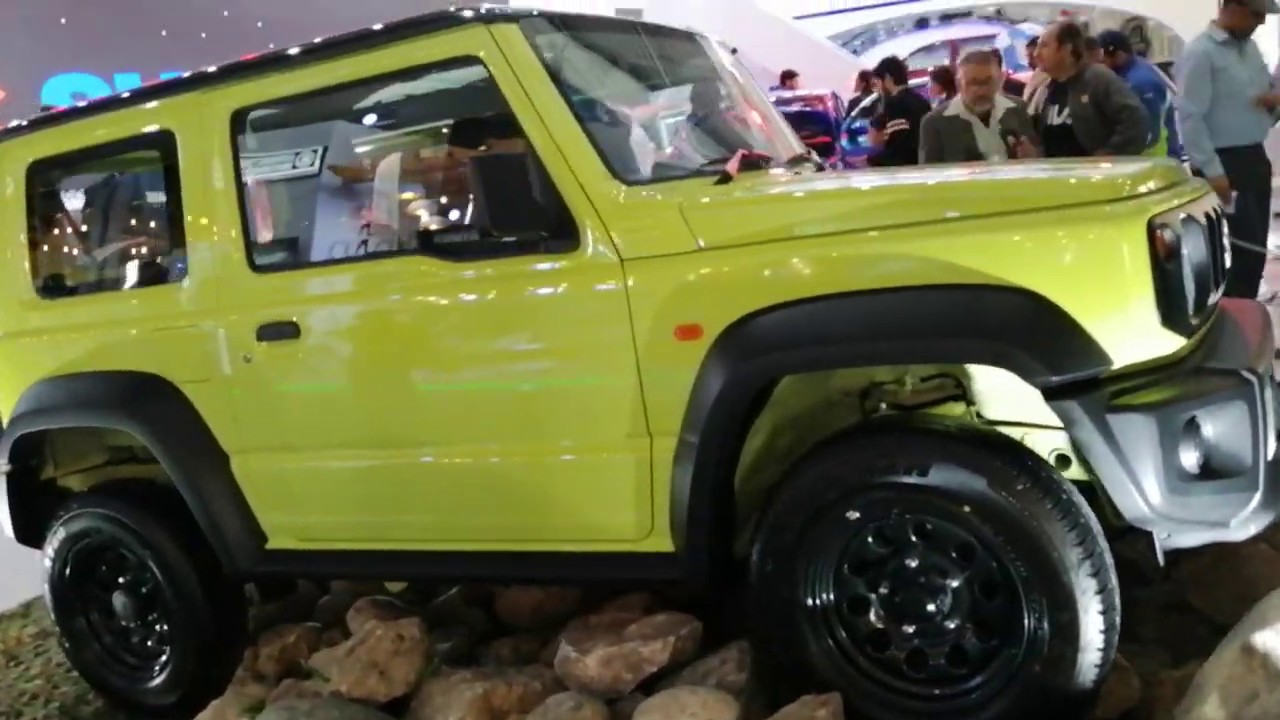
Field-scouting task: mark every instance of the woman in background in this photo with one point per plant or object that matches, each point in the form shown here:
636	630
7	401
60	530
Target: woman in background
942	84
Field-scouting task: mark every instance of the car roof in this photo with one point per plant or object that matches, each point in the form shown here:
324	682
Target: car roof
306	53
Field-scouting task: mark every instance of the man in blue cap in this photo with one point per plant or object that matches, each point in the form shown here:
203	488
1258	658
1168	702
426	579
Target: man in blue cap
1149	84
1226	108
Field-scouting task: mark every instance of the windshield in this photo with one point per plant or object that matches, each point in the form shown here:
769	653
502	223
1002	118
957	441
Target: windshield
658	103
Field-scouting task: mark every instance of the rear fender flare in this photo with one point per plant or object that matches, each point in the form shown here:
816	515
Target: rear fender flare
161	416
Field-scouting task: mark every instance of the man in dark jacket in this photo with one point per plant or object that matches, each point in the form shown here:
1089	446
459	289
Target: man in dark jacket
903	110
1084	109
981	123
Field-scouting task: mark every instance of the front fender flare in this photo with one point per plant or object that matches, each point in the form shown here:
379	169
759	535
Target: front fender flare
1006	327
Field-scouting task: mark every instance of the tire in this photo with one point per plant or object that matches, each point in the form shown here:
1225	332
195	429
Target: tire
144	611
932	572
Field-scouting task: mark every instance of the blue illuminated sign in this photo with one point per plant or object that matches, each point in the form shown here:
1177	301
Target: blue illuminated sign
70	88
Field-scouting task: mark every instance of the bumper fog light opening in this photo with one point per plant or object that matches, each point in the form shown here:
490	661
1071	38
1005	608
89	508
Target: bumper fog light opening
1192	447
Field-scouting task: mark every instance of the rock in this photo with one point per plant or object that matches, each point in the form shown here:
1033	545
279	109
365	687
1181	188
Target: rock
296	608
609	654
483	693
1147	660
376	608
598	620
640	603
1212	581
333	607
334	636
625	709
380	663
1164	691
331	610
1121	691
727	669
813	707
460	606
689	703
513	651
1149	613
321	709
283	650
294	689
242	698
536	607
454	645
357	588
1241	680
570	706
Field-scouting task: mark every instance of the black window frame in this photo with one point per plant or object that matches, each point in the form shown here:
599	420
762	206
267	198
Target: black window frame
162	141
239	119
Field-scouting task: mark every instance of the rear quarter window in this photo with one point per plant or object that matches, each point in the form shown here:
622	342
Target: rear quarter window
106	218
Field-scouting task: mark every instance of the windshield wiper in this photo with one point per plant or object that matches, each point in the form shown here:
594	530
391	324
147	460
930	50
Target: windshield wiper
750	160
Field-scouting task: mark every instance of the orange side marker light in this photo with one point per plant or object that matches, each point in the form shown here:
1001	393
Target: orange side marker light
688	332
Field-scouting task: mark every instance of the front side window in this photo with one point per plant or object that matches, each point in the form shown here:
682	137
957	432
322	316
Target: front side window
658	103
106	218
427	161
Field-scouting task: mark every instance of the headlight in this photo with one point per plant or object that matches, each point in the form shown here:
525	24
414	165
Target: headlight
1190	254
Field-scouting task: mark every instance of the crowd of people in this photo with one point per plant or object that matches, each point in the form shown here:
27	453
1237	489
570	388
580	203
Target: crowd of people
1095	96
1087	96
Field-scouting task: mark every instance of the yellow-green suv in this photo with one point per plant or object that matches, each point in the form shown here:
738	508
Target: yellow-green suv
527	296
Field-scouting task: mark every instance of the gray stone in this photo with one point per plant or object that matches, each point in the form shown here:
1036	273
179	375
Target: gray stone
1241	680
321	709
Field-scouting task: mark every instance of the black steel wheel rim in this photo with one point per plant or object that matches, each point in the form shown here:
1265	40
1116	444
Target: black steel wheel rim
912	592
112	605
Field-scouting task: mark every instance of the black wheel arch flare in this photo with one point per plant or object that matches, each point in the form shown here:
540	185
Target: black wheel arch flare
1001	326
161	416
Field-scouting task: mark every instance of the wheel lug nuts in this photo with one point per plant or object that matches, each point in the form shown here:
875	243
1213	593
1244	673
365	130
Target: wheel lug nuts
909	629
931	607
884	589
953	583
852	515
951	624
912	562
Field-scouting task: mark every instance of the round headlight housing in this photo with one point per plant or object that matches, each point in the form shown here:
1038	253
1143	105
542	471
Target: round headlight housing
1187	255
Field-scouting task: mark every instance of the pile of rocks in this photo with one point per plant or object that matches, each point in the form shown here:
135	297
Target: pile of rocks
369	651
1179	656
372	652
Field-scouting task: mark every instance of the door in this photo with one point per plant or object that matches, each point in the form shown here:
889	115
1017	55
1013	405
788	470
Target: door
413	369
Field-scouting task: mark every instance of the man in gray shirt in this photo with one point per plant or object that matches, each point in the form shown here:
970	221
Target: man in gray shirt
1226	109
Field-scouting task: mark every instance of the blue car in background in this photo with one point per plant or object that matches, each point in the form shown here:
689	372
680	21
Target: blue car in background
817	117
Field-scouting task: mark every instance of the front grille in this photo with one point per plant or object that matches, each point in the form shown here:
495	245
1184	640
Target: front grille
1219	244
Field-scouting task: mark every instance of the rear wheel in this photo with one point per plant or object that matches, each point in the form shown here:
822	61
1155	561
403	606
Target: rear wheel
927	572
145	613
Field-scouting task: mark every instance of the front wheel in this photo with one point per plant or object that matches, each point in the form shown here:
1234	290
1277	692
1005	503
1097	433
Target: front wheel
144	611
931	572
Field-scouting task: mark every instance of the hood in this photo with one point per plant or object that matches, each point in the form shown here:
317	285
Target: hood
767	206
